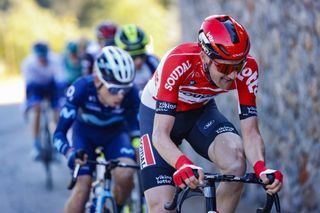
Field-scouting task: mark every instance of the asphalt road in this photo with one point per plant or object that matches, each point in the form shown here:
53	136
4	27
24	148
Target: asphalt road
22	185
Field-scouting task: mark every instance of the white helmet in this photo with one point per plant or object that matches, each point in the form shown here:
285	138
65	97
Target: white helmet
115	66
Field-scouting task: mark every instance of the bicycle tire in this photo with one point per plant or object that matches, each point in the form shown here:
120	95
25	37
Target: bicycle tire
46	148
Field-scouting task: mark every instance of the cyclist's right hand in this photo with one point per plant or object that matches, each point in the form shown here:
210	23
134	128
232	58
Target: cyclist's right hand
76	157
185	175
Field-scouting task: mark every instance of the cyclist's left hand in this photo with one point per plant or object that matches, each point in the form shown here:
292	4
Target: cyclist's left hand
262	172
73	159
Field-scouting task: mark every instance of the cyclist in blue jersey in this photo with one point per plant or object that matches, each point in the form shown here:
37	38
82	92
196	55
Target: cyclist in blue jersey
134	40
103	109
42	71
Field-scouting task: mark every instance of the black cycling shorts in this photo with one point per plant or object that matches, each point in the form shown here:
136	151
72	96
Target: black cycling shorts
199	127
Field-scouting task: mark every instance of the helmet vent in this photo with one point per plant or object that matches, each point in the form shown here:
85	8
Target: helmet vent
232	31
223	49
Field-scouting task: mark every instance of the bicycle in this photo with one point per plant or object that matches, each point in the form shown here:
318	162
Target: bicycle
208	190
101	196
46	149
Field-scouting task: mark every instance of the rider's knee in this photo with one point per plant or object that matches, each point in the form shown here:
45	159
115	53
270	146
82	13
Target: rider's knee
238	167
236	159
82	188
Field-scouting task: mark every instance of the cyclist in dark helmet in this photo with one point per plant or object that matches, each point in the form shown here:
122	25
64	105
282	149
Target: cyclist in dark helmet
134	40
103	111
178	103
42	71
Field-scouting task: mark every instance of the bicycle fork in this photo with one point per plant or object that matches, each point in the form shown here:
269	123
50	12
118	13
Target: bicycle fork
209	192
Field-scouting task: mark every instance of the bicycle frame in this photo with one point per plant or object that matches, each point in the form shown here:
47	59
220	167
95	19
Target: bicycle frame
208	190
101	187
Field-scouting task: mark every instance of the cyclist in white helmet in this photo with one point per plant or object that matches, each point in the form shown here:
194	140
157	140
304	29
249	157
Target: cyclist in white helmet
103	110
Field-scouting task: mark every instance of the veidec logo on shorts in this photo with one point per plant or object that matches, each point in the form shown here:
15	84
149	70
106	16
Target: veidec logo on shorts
176	74
146	153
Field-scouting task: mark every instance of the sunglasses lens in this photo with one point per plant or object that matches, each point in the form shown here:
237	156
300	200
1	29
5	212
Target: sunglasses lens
229	68
116	91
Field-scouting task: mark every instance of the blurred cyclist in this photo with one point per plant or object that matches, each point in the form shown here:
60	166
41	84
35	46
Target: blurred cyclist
42	72
134	40
105	32
72	62
103	109
178	103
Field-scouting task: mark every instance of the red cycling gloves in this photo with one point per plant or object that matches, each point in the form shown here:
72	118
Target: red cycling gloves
260	169
184	171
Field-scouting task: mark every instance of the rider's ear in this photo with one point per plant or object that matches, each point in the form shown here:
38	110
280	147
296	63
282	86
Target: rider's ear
204	57
97	81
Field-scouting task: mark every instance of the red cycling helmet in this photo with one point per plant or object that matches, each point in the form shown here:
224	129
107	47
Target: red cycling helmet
222	37
106	30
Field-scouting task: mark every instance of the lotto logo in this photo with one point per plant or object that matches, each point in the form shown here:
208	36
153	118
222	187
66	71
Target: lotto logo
252	79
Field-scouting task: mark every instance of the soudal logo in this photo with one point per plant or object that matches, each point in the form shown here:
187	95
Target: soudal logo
195	95
176	74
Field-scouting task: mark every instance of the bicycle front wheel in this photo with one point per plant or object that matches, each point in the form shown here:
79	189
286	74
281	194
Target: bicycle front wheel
106	205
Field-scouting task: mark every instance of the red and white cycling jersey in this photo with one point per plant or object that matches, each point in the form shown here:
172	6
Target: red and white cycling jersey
180	80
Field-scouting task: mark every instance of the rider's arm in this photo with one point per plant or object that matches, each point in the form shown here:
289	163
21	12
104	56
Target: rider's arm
247	85
252	140
74	98
67	116
161	138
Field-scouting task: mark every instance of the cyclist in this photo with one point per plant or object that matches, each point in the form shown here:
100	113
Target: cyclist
42	72
134	40
105	32
103	109
178	103
72	62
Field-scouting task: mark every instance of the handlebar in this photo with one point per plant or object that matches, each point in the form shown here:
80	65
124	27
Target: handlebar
213	178
111	164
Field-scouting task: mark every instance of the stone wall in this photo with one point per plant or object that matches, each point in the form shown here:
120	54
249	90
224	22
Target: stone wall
285	41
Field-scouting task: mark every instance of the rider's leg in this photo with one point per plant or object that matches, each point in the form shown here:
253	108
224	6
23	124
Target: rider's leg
80	195
157	196
227	153
123	179
36	121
